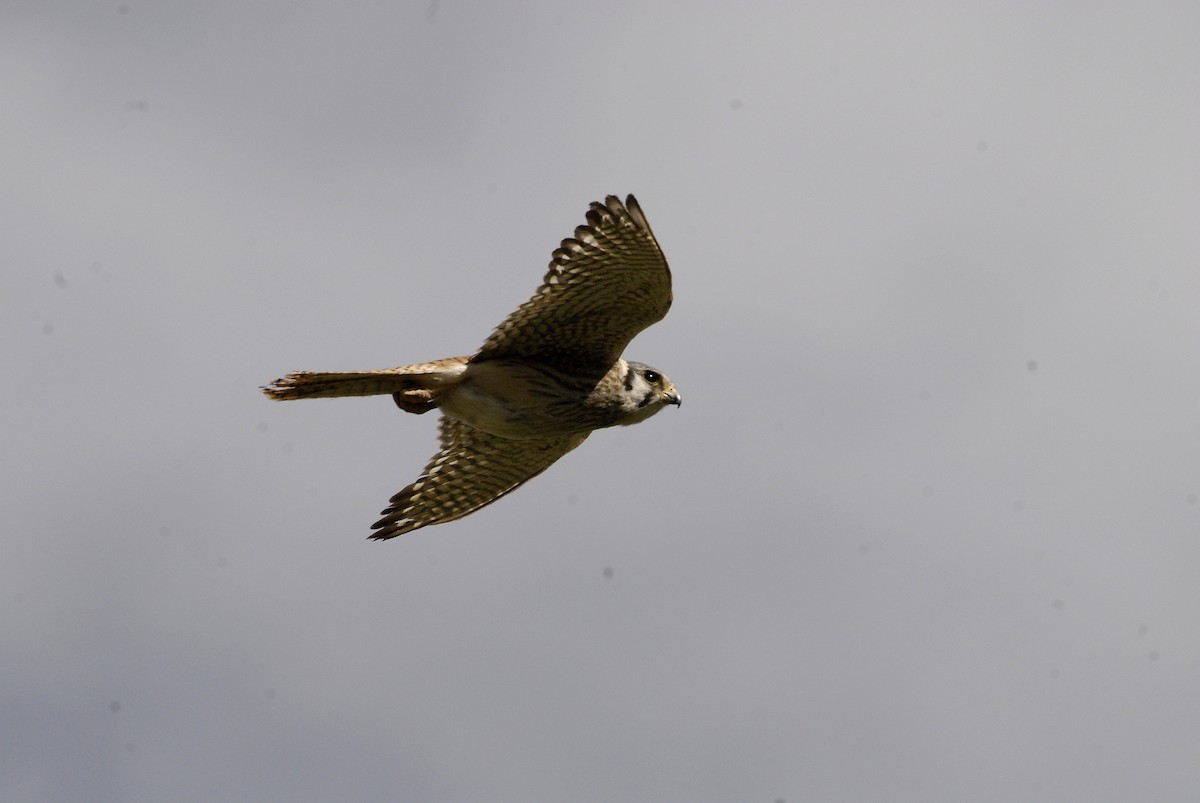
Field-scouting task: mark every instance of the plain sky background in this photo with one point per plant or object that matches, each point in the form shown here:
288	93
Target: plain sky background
925	529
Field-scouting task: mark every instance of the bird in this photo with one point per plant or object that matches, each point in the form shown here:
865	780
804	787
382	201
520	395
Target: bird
548	376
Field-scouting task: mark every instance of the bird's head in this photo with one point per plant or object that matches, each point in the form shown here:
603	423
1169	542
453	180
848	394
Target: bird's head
646	391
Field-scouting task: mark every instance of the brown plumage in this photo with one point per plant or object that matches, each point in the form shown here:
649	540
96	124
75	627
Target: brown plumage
546	377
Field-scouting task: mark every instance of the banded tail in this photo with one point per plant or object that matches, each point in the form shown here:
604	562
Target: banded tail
414	387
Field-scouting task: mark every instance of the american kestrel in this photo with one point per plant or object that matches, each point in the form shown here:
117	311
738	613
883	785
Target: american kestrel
549	374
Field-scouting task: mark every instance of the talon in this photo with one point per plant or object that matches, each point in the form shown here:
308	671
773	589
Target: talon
414	401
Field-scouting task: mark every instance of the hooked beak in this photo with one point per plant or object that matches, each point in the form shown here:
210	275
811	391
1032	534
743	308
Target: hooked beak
671	396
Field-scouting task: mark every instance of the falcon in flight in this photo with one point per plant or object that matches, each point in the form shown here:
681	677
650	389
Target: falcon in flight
550	374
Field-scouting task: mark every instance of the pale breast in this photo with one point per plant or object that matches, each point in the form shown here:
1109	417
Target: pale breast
516	399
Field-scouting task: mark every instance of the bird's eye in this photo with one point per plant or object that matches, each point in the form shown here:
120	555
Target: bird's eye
652	377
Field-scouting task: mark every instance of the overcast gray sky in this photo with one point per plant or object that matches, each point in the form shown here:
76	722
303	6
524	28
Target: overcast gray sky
926	529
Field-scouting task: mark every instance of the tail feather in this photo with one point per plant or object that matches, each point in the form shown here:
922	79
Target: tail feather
423	380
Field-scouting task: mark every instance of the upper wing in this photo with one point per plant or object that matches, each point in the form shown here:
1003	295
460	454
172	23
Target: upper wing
471	470
604	285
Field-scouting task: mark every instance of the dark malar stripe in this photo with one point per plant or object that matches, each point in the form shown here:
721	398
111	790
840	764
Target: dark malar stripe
646	399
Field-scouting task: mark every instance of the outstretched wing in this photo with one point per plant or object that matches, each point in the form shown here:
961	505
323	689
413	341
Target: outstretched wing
604	285
472	469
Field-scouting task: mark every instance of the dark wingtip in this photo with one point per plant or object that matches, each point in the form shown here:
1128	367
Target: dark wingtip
385	530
